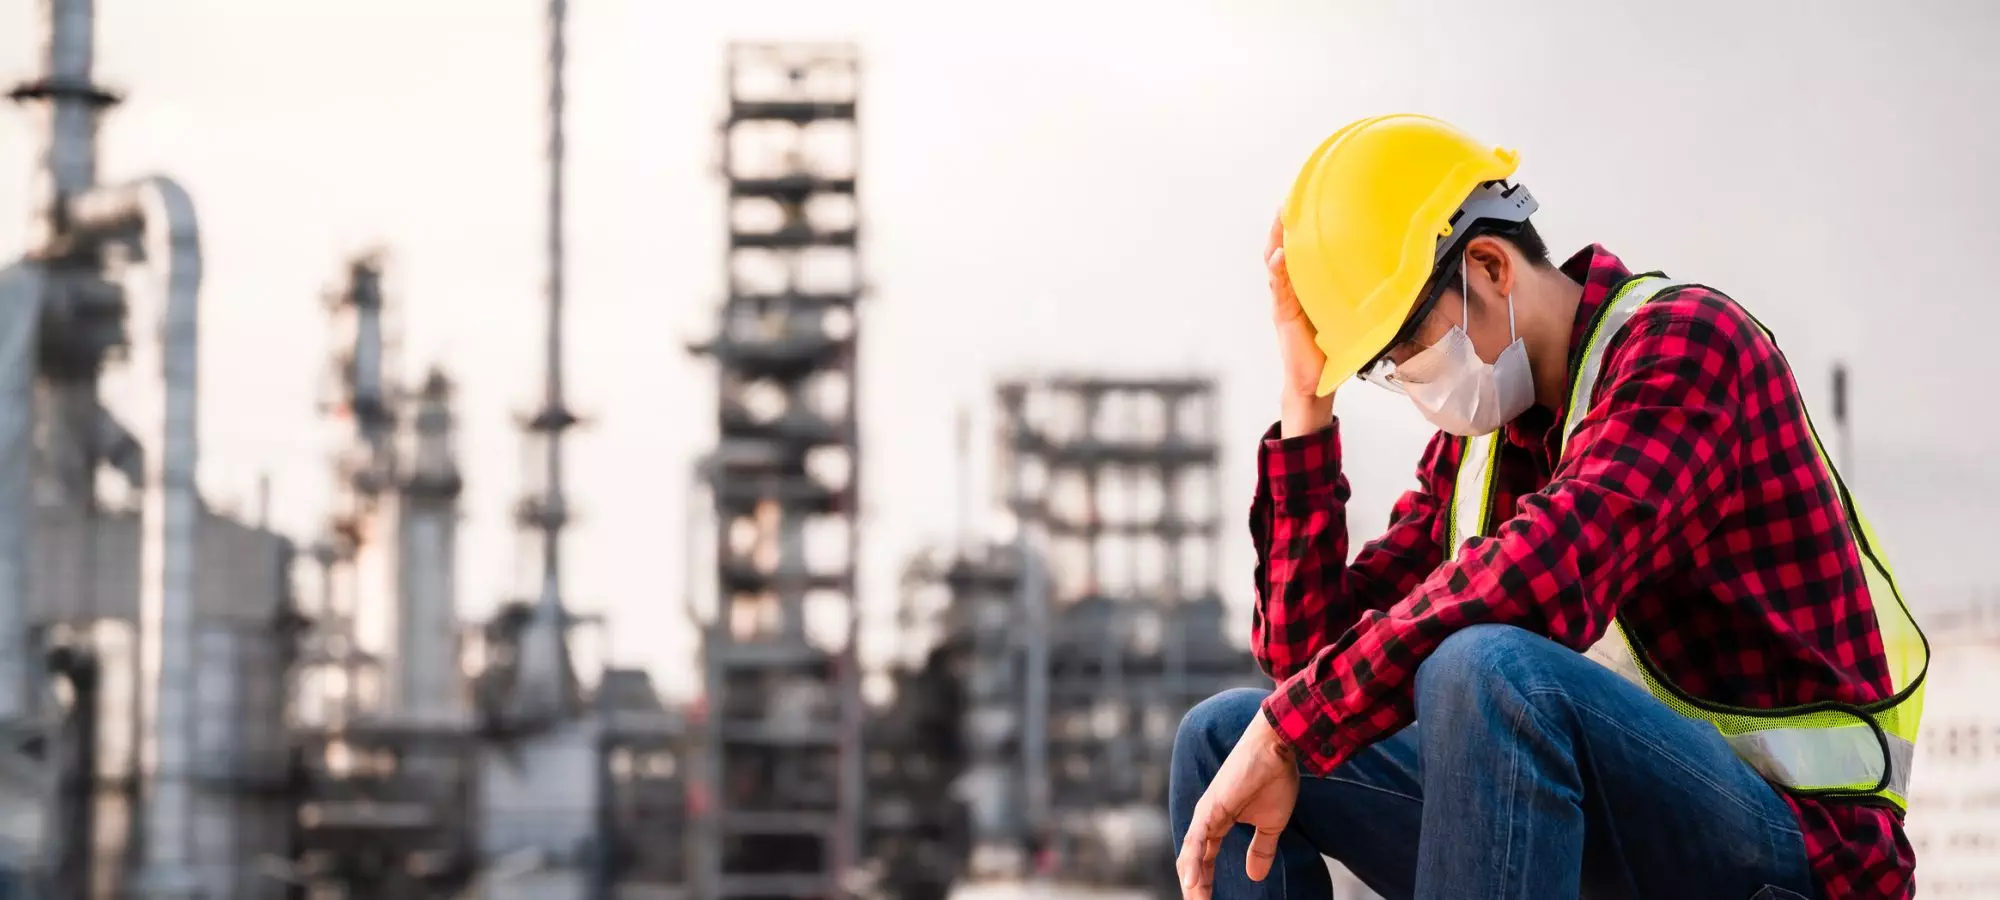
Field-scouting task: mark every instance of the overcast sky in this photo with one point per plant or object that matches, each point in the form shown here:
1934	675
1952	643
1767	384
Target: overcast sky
1045	185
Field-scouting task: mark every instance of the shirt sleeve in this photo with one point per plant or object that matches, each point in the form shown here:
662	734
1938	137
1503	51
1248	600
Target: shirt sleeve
1307	591
1635	492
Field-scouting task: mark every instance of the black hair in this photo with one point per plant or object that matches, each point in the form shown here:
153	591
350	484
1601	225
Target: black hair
1526	239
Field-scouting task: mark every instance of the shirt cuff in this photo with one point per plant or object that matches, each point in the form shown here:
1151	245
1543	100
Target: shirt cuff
1296	715
1306	465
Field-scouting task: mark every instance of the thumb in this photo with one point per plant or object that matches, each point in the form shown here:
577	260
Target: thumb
1263	852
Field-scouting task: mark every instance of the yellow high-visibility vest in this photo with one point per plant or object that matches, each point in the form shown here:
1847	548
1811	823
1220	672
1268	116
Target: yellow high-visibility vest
1821	749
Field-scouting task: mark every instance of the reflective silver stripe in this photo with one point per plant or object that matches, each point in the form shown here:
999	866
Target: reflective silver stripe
1824	757
1628	301
1612	652
1469	495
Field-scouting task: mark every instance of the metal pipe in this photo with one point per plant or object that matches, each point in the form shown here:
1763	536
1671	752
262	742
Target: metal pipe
1034	598
20	314
1843	435
68	165
157	216
557	412
427	657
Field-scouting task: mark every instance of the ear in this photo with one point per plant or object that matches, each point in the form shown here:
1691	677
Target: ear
1490	266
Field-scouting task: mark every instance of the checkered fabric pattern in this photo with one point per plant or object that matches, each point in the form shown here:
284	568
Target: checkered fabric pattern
1691	501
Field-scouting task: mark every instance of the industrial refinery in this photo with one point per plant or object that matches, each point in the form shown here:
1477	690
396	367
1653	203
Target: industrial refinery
190	710
191	706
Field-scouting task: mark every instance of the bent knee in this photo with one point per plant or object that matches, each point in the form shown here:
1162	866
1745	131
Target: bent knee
1479	658
1217	722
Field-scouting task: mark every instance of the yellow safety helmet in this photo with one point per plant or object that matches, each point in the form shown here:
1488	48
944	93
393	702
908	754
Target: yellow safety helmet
1372	213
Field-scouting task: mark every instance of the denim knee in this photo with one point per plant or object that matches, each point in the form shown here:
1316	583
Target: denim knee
1478	659
1211	728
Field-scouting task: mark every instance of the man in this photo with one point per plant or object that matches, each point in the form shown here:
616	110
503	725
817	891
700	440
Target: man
1624	467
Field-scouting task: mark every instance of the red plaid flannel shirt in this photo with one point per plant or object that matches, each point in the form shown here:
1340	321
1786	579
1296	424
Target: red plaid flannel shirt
1691	501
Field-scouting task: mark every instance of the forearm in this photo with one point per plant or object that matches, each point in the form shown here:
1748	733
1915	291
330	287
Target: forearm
1307	591
1303	598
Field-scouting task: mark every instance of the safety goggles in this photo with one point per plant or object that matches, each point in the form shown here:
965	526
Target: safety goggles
1494	208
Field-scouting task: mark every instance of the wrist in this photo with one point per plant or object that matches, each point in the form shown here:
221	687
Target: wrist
1270	738
1302	415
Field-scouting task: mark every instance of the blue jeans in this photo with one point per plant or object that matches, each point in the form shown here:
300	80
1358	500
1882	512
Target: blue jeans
1531	773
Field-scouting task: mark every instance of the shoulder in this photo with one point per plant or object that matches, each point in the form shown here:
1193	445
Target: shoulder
1693	335
1695	320
1699	312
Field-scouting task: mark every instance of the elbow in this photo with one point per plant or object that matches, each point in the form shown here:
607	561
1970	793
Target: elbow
1276	664
1271	670
1264	663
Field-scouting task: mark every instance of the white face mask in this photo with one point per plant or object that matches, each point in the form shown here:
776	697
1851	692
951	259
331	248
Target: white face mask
1463	394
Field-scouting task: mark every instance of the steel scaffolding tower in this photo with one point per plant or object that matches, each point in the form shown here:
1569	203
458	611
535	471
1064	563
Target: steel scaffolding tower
1115	481
784	709
353	555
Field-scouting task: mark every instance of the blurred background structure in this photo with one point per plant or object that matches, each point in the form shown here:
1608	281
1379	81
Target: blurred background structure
783	703
200	701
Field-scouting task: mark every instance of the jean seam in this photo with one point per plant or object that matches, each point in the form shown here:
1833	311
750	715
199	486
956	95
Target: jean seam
1791	827
1513	796
1366	786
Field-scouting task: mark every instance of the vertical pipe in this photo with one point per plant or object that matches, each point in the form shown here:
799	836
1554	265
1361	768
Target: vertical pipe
1843	434
427	651
158	212
67	168
1034	599
1175	639
69	161
179	509
551	535
427	657
965	528
20	314
1035	723
691	542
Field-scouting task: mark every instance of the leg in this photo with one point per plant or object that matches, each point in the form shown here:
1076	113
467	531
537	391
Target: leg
1365	814
1545	775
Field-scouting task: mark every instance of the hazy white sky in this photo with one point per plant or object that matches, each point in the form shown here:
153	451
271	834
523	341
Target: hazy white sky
1045	184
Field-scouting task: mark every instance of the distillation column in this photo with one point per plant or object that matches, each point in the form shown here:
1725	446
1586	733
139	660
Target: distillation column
354	554
427	677
783	692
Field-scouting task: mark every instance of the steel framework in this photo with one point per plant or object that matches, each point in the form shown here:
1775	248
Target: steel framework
784	712
1114	480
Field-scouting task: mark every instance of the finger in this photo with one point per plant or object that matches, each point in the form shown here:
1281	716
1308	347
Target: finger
1277	237
1219	823
1198	851
1277	277
1263	852
1188	864
1198	881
